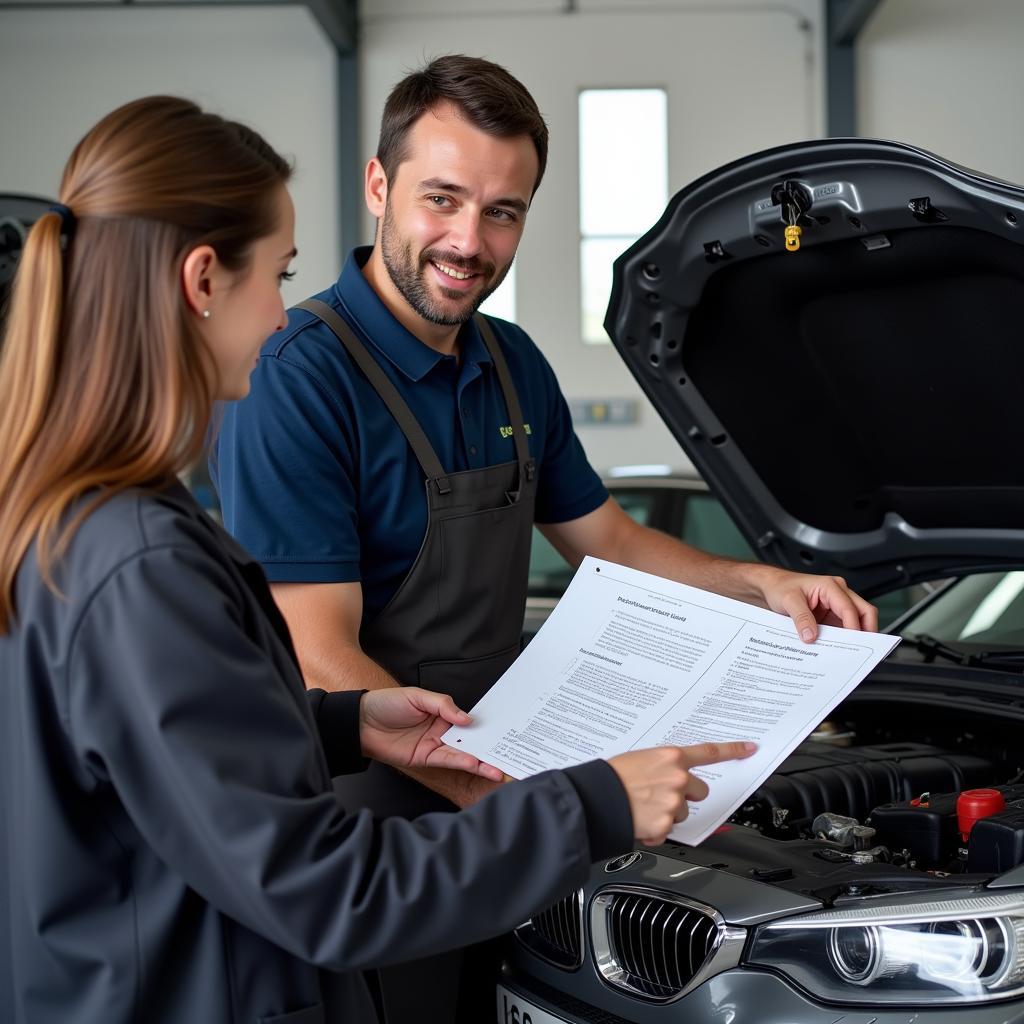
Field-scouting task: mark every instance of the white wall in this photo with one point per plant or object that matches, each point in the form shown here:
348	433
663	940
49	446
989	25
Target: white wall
741	76
271	67
947	75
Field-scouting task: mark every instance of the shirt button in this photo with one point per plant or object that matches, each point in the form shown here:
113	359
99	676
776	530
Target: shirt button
472	449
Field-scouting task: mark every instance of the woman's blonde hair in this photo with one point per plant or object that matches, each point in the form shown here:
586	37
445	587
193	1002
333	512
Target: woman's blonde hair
105	382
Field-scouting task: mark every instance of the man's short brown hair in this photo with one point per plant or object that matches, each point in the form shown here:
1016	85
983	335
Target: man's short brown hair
486	95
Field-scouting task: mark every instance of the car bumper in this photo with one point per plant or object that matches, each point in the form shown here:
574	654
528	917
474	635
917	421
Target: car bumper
739	996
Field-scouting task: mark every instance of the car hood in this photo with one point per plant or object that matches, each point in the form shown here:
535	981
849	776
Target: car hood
855	404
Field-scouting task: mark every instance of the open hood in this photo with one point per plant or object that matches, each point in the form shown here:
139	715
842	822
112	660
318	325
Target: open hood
858	404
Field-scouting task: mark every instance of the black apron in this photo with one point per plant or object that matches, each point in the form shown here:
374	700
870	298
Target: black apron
454	624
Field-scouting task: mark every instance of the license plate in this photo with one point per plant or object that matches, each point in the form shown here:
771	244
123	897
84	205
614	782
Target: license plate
514	1009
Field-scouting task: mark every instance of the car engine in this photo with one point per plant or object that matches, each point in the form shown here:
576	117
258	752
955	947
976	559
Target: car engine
844	817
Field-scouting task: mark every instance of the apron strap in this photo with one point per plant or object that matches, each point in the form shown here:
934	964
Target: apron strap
515	411
396	405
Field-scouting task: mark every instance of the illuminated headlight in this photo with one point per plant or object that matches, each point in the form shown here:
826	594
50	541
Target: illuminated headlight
957	950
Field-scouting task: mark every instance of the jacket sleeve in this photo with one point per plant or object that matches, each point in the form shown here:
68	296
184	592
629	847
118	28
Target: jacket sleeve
216	759
337	721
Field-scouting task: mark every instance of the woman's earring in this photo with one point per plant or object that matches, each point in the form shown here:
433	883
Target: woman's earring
206	314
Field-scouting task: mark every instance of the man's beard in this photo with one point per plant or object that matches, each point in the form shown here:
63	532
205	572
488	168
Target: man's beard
409	276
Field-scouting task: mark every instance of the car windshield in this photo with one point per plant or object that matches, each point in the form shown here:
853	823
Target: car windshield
550	573
678	509
972	617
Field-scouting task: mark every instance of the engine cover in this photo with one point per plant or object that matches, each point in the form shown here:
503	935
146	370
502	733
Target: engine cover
818	778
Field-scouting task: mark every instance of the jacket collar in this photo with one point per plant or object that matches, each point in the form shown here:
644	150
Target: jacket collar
178	495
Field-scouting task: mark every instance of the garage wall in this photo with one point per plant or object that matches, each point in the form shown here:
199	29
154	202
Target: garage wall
740	76
948	76
272	67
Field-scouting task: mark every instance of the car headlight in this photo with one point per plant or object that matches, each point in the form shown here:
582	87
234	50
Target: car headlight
923	949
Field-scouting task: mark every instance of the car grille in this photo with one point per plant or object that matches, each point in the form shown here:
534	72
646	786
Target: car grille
650	945
556	934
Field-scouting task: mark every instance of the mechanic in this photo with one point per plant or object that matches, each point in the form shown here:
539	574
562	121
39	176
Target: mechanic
396	447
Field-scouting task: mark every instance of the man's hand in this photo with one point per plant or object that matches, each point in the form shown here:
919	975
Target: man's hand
659	783
402	726
810	600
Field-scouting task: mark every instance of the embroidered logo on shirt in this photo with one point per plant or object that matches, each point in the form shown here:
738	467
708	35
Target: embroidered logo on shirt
507	431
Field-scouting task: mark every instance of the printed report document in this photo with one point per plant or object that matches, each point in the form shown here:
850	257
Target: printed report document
628	660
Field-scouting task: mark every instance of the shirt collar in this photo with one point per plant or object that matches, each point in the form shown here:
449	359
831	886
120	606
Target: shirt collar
377	324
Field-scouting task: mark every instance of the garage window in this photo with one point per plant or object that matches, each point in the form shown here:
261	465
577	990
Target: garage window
623	185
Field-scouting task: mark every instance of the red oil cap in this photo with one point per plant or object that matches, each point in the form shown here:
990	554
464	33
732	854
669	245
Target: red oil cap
973	804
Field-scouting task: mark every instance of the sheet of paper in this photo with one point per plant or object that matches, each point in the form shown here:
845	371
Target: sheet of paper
628	660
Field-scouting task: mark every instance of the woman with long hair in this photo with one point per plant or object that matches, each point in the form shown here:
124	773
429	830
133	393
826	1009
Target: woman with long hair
174	849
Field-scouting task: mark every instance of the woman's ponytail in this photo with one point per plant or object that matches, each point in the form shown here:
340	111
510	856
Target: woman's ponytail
30	358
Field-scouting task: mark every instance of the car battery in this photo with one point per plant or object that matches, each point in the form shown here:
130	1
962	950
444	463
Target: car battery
925	827
928	827
996	843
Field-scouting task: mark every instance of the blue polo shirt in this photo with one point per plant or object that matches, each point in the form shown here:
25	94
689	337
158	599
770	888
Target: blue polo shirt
319	483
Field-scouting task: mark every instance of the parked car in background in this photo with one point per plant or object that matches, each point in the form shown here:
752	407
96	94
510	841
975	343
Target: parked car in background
851	394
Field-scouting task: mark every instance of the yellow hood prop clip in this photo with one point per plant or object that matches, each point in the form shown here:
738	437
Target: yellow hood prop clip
794	200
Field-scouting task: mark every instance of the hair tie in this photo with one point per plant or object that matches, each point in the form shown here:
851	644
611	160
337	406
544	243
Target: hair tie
67	218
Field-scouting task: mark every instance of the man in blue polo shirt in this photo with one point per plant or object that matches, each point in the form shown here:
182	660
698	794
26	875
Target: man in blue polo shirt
395	450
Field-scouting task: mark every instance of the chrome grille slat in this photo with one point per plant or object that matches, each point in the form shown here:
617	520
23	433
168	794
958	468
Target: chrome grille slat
675	945
642	930
690	947
558	927
623	937
661	950
666	959
655	934
629	950
575	923
709	943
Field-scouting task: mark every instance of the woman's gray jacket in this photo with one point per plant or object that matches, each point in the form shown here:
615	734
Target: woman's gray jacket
173	848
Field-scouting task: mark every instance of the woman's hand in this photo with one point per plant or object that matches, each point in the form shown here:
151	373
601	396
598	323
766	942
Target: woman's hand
660	784
402	726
